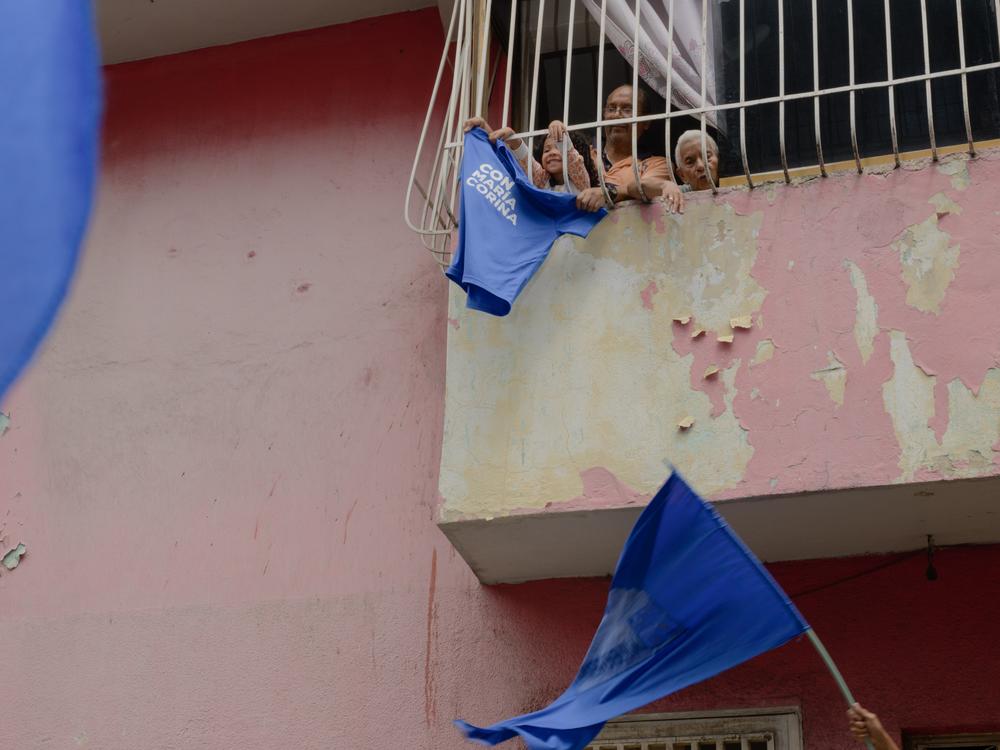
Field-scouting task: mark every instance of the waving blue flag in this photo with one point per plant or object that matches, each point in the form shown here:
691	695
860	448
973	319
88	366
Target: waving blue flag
50	103
688	600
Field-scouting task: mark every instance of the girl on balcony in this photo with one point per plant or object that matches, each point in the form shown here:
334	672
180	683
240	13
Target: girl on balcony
546	165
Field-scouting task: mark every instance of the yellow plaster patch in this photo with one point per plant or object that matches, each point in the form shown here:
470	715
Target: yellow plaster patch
958	169
966	448
866	313
685	423
929	264
743	321
944	205
833	377
532	400
683	320
710	371
765	350
727	339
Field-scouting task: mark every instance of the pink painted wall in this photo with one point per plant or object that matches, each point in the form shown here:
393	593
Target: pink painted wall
224	465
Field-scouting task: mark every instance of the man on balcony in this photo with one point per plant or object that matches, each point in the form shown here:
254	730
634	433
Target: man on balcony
619	177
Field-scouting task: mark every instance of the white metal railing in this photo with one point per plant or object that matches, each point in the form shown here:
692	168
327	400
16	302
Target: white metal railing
461	89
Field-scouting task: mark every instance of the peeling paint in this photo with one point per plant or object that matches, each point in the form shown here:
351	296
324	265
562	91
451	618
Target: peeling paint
966	448
958	169
765	350
944	205
833	377
13	558
535	399
4	423
866	313
929	262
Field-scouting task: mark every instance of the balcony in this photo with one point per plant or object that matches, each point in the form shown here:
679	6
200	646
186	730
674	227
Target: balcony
855	410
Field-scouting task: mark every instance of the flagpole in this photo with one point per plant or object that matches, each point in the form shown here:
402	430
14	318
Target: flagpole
838	678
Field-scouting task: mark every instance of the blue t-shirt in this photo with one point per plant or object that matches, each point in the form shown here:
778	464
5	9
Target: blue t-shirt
506	225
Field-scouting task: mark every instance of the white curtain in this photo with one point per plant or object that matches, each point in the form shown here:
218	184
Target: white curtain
654	43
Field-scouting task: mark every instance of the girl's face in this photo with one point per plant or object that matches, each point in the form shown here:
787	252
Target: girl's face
552	158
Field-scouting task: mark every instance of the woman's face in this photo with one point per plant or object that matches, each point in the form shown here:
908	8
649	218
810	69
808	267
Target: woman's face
552	157
693	169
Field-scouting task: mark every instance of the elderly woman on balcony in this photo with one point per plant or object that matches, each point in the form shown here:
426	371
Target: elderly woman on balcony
692	165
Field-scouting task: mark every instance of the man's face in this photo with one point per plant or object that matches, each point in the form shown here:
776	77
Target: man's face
692	167
617	106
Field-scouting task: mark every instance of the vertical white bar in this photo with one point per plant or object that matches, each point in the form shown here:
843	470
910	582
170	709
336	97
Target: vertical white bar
744	743
892	89
965	82
743	95
566	143
483	33
670	85
781	89
704	90
427	122
511	32
850	63
453	116
534	78
600	102
463	111
816	122
927	83
635	103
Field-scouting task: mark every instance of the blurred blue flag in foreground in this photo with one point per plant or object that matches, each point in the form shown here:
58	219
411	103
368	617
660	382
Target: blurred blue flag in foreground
688	600
50	103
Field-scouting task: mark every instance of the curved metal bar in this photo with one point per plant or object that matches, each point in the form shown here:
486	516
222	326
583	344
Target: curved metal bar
670	87
483	56
567	182
965	82
600	103
511	31
781	89
927	83
816	119
635	104
534	77
428	117
850	63
704	91
743	95
892	90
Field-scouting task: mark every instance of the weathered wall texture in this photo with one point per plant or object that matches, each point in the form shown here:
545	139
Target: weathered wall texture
835	333
224	467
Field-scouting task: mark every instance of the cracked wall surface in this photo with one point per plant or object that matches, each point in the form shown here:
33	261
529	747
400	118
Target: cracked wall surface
828	334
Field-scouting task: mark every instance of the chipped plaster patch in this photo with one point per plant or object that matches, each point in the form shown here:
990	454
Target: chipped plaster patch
13	558
966	448
537	398
958	169
929	263
833	377
944	205
765	350
866	313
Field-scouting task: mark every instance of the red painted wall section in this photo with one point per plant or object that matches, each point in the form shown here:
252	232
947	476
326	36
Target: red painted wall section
224	465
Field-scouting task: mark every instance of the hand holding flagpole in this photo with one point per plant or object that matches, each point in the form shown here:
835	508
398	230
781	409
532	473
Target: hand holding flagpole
839	679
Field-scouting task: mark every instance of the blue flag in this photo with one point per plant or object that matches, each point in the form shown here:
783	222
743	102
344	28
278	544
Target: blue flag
688	600
50	103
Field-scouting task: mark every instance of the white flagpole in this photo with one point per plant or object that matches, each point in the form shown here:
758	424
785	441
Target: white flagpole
838	678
